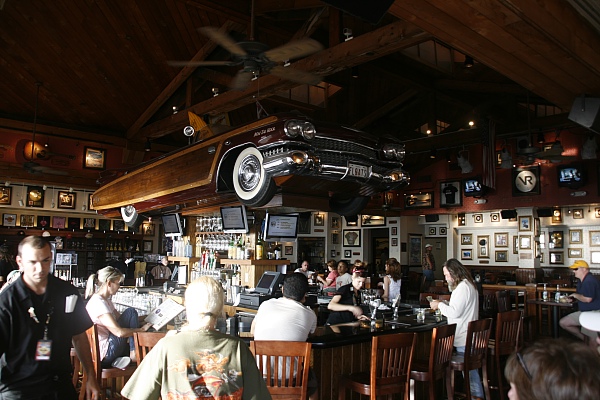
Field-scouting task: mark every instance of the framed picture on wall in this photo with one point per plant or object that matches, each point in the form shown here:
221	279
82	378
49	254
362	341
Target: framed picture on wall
347	253
288	250
94	158
483	246
557	257
575	253
418	200
5	195
147	246
319	220
66	199
525	223
335	238
575	235
335	222
450	194
516	244
351	238
501	239
372	220
394	242
394	230
501	256
432	231
525	242
59	222
415	249
466	254
466	238
594	238
35	196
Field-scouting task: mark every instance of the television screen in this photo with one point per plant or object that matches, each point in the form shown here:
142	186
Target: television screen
472	187
234	219
269	282
571	176
172	225
281	226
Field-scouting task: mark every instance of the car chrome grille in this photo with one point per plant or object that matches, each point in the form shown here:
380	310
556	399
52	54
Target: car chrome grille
343	145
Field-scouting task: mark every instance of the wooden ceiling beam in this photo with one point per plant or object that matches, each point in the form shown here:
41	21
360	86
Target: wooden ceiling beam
367	47
384	109
267	6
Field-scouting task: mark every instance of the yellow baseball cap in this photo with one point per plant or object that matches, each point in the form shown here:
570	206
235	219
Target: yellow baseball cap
579	264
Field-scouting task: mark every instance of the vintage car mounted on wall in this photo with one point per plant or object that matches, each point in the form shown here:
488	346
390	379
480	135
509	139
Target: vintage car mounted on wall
284	154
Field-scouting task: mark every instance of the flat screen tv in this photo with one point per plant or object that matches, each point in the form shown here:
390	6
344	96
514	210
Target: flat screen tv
472	187
234	219
269	283
571	176
172	225
281	226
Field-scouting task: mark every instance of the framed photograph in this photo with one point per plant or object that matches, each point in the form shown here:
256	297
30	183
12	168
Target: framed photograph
578	213
351	223
5	195
74	223
59	222
43	221
575	253
394	242
478	218
442	230
594	238
394	230
351	237
418	200
415	249
27	221
335	238
501	256
516	244
501	239
450	194
556	215
147	246
304	224
94	158
332	253
555	240
466	254
335	223
347	253
148	228
89	223
66	199
597	212
288	250
495	217
432	231
483	246
9	219
319	220
595	257
575	236
35	196
372	220
557	257
119	225
525	223
536	227
104	225
466	239
525	242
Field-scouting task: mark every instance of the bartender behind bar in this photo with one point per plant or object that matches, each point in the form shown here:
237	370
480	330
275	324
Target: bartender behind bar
162	270
345	304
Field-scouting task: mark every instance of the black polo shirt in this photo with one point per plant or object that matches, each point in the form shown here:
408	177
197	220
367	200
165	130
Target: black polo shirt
19	334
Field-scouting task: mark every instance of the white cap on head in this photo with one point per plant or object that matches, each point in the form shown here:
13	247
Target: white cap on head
428	245
590	320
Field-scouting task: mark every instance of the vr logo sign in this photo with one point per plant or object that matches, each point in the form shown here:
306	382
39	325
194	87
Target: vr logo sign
526	181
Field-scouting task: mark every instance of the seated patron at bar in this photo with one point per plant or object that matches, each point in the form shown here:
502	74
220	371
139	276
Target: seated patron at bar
304	270
198	361
588	299
329	282
553	369
345	304
115	330
462	309
288	319
344	277
392	280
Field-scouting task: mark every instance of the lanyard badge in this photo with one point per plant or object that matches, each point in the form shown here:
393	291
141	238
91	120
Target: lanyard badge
43	349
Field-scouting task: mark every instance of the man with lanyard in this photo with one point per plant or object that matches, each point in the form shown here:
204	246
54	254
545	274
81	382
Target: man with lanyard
41	318
588	299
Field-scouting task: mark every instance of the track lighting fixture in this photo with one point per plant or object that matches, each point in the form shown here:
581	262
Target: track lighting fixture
175	109
355	72
348	34
148	145
469	62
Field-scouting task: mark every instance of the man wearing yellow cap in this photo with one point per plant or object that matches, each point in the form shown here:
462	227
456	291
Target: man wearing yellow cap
588	298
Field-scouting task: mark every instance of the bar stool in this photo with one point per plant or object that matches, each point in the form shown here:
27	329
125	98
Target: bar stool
435	367
144	342
391	361
475	357
506	342
502	301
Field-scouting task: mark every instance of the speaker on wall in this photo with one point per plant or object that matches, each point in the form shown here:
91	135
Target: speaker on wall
544	212
432	218
586	112
508	214
370	11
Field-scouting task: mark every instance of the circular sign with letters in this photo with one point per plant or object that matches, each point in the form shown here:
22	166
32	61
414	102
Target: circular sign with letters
526	181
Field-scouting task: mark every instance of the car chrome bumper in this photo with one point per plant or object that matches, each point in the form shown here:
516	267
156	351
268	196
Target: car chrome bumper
299	162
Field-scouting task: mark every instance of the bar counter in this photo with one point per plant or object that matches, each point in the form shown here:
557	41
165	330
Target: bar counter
345	349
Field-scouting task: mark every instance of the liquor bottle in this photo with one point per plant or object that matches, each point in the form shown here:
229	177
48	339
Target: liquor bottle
545	294
259	248
557	294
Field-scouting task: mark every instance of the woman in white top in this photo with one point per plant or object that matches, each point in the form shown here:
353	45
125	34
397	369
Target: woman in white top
114	329
392	280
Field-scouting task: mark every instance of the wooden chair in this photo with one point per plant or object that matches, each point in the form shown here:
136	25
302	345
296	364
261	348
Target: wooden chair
284	366
503	301
391	362
435	367
106	377
144	342
506	342
488	307
415	281
475	357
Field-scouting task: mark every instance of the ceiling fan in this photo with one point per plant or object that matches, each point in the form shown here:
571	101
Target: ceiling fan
257	59
529	153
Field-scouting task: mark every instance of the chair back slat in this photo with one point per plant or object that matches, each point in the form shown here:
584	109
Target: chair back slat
391	359
502	299
508	332
442	346
284	366
476	348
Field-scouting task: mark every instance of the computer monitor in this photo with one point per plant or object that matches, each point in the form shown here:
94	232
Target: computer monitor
234	219
279	227
172	225
269	283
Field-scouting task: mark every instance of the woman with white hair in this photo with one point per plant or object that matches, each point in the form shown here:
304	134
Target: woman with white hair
198	361
115	330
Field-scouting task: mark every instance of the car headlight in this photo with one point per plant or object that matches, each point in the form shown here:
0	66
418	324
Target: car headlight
400	176
394	151
294	128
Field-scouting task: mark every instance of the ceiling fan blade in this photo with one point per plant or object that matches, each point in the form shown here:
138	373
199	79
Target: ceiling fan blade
292	50
224	40
201	63
241	80
295	75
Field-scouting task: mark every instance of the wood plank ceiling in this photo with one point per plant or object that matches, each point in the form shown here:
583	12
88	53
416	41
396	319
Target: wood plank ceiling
106	77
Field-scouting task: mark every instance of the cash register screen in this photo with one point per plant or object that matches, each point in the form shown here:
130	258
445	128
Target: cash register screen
268	283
